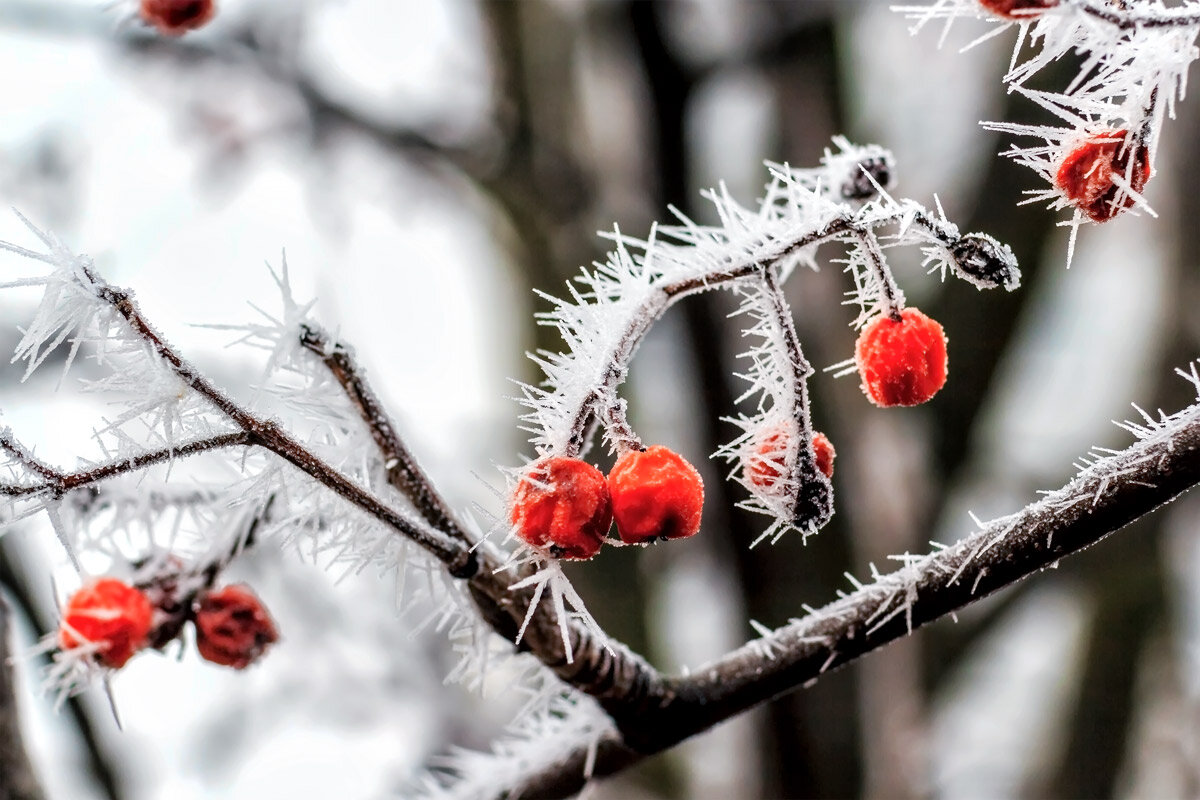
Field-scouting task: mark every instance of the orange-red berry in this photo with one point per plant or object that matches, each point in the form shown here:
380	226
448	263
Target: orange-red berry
112	614
232	627
656	494
1017	9
765	466
824	454
563	505
902	362
1086	173
177	17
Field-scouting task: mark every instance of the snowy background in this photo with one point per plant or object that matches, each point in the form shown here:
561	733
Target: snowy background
426	165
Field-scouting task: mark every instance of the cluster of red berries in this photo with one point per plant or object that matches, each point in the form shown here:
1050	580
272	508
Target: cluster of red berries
232	627
902	361
565	505
177	17
1085	175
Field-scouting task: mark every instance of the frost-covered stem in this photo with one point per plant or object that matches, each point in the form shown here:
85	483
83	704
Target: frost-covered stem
805	470
403	470
58	482
17	778
1105	497
1138	17
893	301
666	295
459	559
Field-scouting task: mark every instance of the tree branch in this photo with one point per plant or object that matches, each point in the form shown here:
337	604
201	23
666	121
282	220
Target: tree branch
58	482
1105	497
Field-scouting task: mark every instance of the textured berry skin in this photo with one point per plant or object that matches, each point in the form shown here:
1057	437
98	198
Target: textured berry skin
1017	9
656	494
765	466
824	453
177	17
113	614
902	363
563	506
232	627
1086	174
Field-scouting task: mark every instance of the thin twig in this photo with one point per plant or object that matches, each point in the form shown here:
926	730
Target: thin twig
403	470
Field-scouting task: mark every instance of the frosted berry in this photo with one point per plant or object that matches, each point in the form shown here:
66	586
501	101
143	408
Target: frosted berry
563	505
656	494
111	614
1017	9
232	627
824	454
1085	175
902	362
765	466
177	17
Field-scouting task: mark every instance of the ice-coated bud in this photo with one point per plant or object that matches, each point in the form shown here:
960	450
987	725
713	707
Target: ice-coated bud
859	185
985	262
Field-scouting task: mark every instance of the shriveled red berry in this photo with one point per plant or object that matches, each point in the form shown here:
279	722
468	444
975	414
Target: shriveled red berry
656	494
824	454
110	613
177	17
563	505
232	627
1017	9
1086	173
902	362
765	466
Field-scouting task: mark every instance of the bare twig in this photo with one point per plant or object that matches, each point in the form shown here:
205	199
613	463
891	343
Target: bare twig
403	470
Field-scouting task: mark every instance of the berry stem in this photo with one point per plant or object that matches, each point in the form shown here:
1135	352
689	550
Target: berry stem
890	294
804	467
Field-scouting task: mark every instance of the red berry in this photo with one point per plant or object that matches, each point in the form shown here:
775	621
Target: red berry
562	504
902	362
1017	9
1086	173
110	613
765	466
656	494
232	627
824	453
177	17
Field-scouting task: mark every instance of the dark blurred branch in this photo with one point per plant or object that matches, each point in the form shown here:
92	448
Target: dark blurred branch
17	778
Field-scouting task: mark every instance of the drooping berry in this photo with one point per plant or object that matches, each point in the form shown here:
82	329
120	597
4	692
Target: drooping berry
108	613
563	505
1085	175
177	17
765	466
1017	9
656	494
902	362
824	453
232	627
